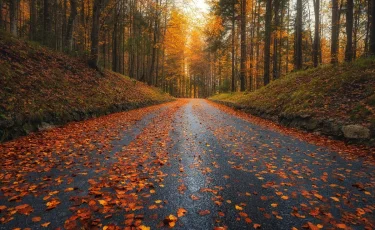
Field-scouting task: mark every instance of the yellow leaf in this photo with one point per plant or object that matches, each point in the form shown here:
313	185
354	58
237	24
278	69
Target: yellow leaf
335	199
103	202
142	227
284	197
274	205
238	207
68	189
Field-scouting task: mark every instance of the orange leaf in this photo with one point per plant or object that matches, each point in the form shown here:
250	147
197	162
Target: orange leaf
36	219
46	224
181	212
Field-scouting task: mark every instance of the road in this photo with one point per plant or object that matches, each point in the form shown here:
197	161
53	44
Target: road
188	164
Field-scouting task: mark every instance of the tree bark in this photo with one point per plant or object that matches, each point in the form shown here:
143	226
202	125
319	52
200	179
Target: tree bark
1	14
335	32
372	28
349	31
316	48
233	48
33	19
276	40
267	46
13	8
69	30
94	53
243	44
154	44
298	38
47	23
357	13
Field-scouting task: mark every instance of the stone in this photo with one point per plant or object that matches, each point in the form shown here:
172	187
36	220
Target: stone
355	132
45	126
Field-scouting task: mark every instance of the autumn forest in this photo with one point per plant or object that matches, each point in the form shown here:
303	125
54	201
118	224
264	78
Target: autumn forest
236	46
187	114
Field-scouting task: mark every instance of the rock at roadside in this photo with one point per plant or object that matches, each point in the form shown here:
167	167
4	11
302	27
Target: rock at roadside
356	132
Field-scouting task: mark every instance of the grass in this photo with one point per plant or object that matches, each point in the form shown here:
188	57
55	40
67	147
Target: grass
345	92
36	80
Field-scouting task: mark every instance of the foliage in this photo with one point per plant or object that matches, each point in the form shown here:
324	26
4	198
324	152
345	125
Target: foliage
39	81
344	92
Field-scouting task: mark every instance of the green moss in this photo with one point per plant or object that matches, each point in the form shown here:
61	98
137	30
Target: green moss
329	91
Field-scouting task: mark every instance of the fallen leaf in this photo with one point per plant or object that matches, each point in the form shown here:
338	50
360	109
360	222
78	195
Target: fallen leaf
36	219
181	212
238	207
312	226
170	220
46	224
103	202
341	226
204	212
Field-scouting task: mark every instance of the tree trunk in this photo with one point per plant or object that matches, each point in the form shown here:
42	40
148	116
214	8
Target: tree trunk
13	8
298	38
94	53
357	14
33	19
115	53
276	40
243	44
335	32
316	48
1	14
349	31
367	29
267	46
372	28
47	23
287	41
154	44
69	30
233	48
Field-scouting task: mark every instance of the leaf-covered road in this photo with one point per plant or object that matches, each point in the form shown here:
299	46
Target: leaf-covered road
188	164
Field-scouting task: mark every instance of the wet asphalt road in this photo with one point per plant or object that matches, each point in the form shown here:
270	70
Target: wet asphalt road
224	171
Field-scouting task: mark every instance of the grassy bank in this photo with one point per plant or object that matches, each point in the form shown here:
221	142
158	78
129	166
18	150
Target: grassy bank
343	95
41	86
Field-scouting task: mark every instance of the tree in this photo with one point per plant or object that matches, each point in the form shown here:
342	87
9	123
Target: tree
298	38
372	28
1	14
335	32
243	44
13	8
47	23
33	19
94	53
69	30
316	48
349	31
267	46
233	46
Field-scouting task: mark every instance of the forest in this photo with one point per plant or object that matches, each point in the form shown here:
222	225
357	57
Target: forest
187	114
239	45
